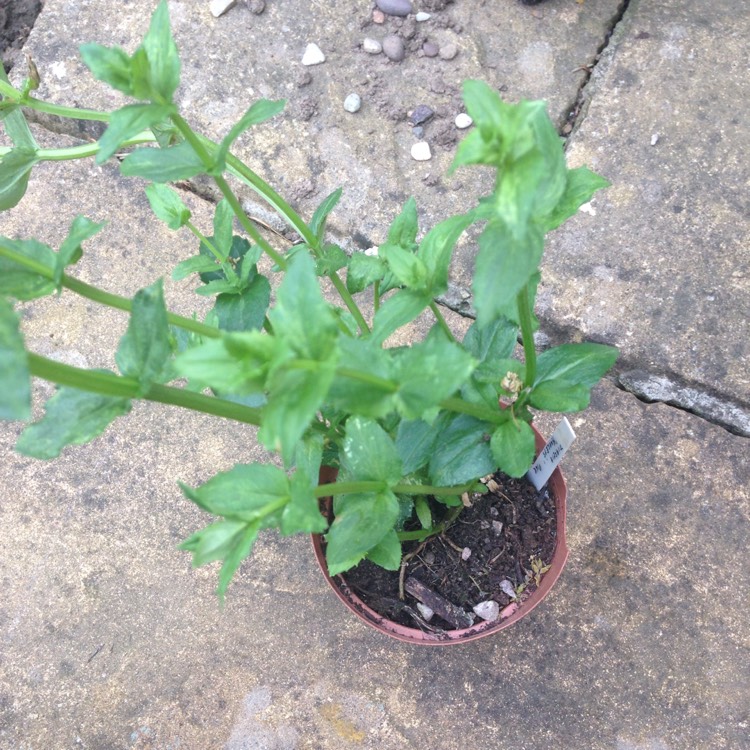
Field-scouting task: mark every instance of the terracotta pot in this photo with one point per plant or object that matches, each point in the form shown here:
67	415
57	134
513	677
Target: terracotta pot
481	629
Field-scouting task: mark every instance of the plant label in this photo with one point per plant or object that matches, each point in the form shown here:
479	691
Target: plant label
551	455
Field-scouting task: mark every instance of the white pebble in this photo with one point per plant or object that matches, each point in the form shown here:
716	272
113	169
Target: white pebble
465	553
654	139
463	121
508	588
313	55
421	151
352	103
219	7
422	16
372	252
372	46
425	611
489	610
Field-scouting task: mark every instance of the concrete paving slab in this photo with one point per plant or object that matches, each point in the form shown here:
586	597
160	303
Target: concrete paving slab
662	269
317	146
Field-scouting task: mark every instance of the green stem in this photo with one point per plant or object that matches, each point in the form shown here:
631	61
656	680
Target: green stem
100	296
31	102
84	151
108	384
441	320
348	488
527	335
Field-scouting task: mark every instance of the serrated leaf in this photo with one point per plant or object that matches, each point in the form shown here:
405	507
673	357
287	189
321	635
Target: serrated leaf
397	311
247	492
18	281
580	186
362	520
363	270
15	381
244	311
163	59
566	374
403	230
146	346
126	122
513	447
505	264
302	514
463	453
436	250
409	269
223	222
387	552
197	264
319	218
167	205
331	259
260	111
15	168
416	439
171	164
70	251
239	249
111	65
369	453
492	342
72	417
428	372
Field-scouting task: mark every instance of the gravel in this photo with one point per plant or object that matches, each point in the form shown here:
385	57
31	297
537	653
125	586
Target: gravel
448	51
421	151
430	49
313	55
395	7
421	114
463	121
372	46
393	47
352	103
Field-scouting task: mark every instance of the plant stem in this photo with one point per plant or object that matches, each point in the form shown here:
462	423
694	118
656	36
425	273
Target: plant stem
105	298
109	384
84	151
348	488
527	335
73	113
441	320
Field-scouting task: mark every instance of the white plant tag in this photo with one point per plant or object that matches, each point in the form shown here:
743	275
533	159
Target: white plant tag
551	454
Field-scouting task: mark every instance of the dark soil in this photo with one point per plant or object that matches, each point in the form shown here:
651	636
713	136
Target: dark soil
505	530
17	18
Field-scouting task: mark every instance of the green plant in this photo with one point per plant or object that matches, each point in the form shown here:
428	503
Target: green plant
401	423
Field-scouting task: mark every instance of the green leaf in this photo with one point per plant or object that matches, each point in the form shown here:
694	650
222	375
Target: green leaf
15	123
70	251
238	250
565	375
492	342
331	259
126	122
513	447
72	417
580	186
422	508
15	169
354	396
363	270
15	381
428	372
161	51
111	65
403	230
436	250
168	206
230	541
362	520
302	515
260	111
409	269
505	263
223	222
20	282
244	311
146	346
416	440
397	311
463	452
171	164
247	492
319	218
197	264
369	453
387	552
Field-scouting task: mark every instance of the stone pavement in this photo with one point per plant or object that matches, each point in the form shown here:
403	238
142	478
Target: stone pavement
108	640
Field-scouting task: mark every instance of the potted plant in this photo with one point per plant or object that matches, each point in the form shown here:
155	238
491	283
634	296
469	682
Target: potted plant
406	438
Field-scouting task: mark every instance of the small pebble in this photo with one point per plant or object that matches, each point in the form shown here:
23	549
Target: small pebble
425	611
395	7
465	553
489	610
372	252
378	16
421	151
393	47
421	114
256	6
430	49
418	131
313	55
448	51
654	139
508	588
220	7
422	16
372	46
497	527
428	558
352	103
463	121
